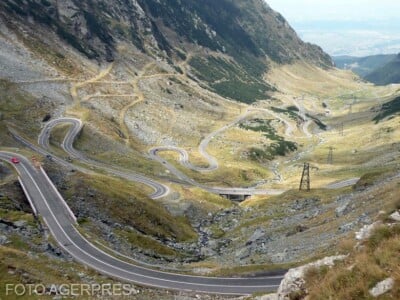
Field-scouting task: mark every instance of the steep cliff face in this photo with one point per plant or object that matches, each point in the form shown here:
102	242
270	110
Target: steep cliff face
247	33
236	27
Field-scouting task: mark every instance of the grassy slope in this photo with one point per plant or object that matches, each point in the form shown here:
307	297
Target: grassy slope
390	109
376	260
147	216
363	145
229	79
20	109
363	65
16	267
386	74
20	260
124	203
278	147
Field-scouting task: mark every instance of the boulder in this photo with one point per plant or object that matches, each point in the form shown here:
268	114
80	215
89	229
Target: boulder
280	257
293	281
347	227
366	231
382	287
268	297
395	216
3	240
258	234
243	253
303	204
343	209
20	223
207	251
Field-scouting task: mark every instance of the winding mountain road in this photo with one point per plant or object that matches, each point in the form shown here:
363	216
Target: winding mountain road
47	202
342	184
50	205
289	126
160	190
211	160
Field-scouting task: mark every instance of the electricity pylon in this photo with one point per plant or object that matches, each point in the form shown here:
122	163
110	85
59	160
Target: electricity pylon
305	178
330	155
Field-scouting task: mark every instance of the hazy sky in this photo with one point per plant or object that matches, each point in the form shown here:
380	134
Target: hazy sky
345	27
301	10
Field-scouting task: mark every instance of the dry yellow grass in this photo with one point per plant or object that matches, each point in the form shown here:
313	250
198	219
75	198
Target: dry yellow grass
313	85
305	79
368	263
207	201
377	260
125	203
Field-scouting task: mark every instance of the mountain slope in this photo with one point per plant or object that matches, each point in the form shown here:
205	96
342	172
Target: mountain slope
387	74
249	34
143	74
235	27
362	65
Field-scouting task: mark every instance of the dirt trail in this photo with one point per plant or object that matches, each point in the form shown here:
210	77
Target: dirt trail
50	80
289	126
89	97
139	97
75	87
307	122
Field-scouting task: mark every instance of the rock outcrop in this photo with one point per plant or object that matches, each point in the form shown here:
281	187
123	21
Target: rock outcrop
294	282
366	231
382	287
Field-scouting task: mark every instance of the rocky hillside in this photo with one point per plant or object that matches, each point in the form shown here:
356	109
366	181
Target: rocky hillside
379	69
387	74
363	65
248	35
148	73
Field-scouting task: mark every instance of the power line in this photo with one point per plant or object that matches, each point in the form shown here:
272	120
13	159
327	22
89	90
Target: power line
305	178
330	155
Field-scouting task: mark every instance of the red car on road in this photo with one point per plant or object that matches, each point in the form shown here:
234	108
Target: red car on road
15	160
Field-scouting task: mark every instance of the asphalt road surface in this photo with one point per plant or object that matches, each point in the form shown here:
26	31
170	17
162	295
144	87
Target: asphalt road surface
160	190
342	184
50	205
47	202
